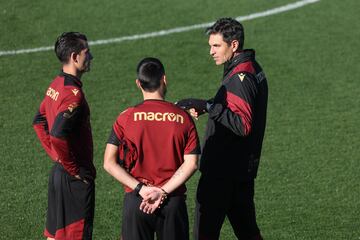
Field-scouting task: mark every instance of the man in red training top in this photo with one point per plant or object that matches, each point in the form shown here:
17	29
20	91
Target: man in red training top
63	126
158	146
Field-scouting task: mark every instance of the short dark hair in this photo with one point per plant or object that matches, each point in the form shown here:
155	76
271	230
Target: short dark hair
69	42
230	29
149	73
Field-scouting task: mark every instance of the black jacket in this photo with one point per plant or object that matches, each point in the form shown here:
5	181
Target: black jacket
237	120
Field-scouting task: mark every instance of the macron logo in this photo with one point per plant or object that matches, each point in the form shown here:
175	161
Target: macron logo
241	76
75	91
158	116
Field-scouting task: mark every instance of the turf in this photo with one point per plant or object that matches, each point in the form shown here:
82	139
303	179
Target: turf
307	186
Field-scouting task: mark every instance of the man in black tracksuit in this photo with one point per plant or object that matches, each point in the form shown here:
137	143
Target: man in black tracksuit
233	139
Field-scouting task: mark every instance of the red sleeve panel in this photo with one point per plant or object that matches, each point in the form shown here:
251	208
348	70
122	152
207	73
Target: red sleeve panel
119	124
240	107
127	153
42	131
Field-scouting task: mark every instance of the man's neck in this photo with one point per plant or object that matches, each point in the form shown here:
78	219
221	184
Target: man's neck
154	95
72	71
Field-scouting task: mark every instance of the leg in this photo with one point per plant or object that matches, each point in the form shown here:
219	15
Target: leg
172	220
242	212
211	204
136	225
50	229
88	203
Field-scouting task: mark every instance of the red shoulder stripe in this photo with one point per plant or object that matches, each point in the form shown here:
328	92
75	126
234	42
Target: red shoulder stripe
243	67
241	108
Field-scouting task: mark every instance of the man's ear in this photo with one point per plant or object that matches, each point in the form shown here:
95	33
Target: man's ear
73	57
234	45
138	83
164	79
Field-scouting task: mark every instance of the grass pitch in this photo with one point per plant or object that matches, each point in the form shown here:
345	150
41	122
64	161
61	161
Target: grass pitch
307	186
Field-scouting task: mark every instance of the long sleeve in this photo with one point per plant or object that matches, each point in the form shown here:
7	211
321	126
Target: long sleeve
41	128
234	103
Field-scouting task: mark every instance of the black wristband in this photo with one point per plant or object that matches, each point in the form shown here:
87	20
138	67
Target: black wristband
164	192
138	188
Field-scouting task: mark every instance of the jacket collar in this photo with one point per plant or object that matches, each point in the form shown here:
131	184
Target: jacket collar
243	56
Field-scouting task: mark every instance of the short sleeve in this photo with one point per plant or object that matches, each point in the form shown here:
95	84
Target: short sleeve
193	143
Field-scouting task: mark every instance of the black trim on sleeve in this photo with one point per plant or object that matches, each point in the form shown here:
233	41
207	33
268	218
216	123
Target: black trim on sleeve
197	150
66	122
39	118
113	139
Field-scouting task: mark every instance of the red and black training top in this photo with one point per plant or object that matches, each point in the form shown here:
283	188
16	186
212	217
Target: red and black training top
237	120
63	126
156	135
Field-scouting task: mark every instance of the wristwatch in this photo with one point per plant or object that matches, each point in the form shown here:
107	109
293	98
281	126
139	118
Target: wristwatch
138	188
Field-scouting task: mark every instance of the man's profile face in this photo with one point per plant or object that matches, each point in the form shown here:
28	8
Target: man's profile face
220	50
84	58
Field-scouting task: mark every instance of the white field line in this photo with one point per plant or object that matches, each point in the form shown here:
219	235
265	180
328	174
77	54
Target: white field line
269	12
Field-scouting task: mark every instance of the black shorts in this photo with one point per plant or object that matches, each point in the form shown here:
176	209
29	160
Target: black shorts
217	198
168	222
71	204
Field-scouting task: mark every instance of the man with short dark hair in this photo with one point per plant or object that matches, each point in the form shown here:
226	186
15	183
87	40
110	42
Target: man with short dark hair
157	145
233	138
62	125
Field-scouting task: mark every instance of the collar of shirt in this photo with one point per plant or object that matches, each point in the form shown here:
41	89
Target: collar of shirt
243	56
71	79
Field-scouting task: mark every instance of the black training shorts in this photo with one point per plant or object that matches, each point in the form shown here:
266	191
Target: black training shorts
71	204
168	222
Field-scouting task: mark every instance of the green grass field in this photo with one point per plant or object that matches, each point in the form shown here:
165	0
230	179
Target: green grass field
307	186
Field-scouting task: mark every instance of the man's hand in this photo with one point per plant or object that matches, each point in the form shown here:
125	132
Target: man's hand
188	103
81	179
196	107
153	197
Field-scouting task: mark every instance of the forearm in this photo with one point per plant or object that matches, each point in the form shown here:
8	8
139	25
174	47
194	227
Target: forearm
182	174
114	169
153	197
41	129
44	138
63	149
